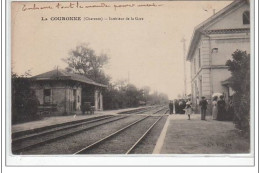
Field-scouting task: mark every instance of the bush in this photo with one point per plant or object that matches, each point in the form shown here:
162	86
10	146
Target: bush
125	95
240	83
24	101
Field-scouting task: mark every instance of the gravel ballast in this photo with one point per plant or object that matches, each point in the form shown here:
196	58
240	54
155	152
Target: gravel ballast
122	142
54	134
76	142
146	146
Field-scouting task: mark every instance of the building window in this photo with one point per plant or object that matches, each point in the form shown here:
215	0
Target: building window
47	95
199	59
246	17
214	50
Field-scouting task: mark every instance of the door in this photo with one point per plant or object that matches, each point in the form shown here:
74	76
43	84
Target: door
74	99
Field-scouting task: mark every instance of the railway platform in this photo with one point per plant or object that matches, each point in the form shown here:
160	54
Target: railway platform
53	120
196	136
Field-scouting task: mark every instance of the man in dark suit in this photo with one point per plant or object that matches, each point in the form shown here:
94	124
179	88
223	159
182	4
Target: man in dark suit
171	107
203	107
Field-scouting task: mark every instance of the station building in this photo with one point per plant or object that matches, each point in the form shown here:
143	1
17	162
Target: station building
64	93
212	44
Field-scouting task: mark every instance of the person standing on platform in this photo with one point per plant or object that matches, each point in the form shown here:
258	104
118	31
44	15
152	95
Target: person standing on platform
188	110
203	107
171	107
176	106
182	106
221	108
230	109
215	108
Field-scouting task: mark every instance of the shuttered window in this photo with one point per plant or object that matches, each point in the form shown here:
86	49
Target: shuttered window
246	17
47	95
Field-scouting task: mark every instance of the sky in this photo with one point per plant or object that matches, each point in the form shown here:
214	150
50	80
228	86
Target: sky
148	51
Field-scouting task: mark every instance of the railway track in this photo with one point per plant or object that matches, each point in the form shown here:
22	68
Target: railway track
139	111
31	141
150	110
145	110
142	137
22	143
162	110
58	128
134	111
124	140
20	134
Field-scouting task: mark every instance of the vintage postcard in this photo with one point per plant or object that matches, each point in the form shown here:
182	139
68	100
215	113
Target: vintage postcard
155	82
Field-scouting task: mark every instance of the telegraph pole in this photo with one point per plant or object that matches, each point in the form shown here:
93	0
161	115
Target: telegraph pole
184	66
128	77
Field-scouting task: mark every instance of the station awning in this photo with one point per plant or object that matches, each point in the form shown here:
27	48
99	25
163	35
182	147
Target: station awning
227	81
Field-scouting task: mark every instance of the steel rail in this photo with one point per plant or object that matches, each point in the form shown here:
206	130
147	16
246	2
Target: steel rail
142	111
20	134
59	129
159	110
145	110
137	110
61	136
134	111
154	108
107	137
142	137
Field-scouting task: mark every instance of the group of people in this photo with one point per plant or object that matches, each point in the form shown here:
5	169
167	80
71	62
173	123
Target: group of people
220	110
177	106
181	106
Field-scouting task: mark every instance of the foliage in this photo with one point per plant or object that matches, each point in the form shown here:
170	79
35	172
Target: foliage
24	100
240	83
122	95
83	60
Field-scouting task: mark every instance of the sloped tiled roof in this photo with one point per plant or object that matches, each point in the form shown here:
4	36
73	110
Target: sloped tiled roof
62	74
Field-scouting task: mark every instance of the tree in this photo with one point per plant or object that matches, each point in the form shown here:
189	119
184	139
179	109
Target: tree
240	83
145	92
24	101
83	60
132	95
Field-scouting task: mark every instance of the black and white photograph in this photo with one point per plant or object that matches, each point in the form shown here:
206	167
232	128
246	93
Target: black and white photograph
131	79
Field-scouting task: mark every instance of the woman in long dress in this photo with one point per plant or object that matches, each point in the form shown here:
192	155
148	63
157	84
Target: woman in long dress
221	108
215	108
188	109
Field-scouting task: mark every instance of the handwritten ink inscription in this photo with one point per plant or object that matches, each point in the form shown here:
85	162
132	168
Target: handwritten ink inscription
79	5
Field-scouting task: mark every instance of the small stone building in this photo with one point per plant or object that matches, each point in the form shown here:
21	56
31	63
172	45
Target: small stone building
63	93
